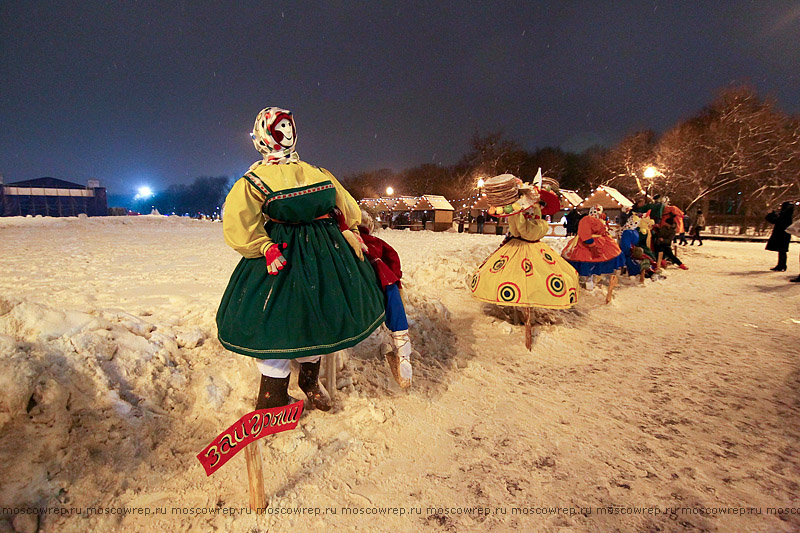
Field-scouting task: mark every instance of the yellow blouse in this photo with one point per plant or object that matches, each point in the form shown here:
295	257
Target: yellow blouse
530	229
243	220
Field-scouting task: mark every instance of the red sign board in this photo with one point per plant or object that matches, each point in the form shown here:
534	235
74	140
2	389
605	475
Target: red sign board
249	428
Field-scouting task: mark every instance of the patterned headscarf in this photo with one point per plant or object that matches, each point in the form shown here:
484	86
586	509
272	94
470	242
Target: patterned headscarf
595	211
632	223
269	137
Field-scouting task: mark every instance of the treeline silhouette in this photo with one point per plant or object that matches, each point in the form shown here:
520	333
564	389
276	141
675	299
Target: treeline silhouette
740	153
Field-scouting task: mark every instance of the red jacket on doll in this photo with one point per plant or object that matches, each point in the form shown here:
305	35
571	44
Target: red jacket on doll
382	257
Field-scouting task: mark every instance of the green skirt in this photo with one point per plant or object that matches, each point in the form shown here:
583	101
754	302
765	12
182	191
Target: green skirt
325	299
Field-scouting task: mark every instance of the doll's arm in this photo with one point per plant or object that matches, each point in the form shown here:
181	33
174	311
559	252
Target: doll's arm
346	204
243	222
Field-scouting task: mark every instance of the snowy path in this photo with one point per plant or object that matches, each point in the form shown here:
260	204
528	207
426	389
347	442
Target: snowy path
682	393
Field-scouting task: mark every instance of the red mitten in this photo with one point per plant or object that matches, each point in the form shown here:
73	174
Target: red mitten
275	259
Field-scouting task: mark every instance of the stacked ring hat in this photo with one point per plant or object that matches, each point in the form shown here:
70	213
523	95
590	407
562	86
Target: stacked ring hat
508	196
503	194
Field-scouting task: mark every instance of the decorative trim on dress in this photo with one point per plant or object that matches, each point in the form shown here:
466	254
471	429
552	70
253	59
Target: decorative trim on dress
256	182
334	346
312	189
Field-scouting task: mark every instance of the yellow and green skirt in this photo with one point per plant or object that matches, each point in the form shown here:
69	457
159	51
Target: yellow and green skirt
526	274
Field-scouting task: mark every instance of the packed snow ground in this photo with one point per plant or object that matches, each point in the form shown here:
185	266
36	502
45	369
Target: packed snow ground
681	393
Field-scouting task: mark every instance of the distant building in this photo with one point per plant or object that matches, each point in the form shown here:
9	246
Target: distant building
52	197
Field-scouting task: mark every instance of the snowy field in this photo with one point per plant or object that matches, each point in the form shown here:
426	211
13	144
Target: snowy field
682	393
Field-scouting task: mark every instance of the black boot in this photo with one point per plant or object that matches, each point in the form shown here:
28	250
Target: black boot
273	393
795	280
308	380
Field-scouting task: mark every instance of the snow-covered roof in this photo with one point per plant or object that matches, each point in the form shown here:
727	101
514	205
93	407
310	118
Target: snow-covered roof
607	197
572	198
405	203
423	205
408	203
388	201
618	196
369	202
439	203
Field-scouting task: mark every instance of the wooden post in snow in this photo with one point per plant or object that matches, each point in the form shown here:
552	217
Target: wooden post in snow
528	329
658	262
255	476
330	374
611	284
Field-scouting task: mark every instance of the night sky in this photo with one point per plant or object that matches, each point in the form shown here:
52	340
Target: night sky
154	93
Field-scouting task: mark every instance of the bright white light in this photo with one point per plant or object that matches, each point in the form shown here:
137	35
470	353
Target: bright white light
480	183
143	193
389	191
650	172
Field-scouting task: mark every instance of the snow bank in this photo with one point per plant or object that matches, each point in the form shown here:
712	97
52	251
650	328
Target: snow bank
676	392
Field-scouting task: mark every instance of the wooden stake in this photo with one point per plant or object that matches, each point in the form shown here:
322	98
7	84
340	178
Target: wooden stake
255	476
330	374
658	263
528	329
613	282
642	274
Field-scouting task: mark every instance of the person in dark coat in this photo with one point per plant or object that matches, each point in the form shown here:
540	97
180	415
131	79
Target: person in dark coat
662	242
699	225
687	224
572	221
481	220
779	240
624	215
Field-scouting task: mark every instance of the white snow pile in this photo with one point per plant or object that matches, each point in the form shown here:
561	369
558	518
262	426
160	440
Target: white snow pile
85	382
113	380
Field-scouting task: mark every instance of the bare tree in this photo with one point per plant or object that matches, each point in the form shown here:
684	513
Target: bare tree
740	144
623	166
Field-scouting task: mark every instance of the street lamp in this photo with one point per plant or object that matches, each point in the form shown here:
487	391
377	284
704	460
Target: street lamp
650	173
480	183
389	191
143	193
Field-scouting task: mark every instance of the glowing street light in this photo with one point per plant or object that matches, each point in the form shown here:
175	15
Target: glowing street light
480	183
389	191
650	172
143	193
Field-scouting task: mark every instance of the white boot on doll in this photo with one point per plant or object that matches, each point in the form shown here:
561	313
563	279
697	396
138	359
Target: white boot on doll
398	355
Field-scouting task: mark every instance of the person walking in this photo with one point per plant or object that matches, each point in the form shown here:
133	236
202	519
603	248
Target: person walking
687	223
699	225
481	220
779	240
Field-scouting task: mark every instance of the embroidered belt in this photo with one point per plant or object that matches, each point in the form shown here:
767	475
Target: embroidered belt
522	239
282	222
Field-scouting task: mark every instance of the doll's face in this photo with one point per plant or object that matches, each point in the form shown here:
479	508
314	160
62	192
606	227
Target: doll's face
284	133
